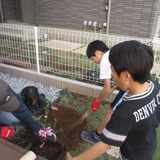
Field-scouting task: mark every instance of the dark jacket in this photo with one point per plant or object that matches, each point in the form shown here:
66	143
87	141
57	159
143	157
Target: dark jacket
24	115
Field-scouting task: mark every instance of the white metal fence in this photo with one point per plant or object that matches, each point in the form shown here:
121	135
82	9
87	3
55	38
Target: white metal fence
59	52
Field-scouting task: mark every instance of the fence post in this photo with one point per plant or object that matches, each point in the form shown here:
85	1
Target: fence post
27	30
36	44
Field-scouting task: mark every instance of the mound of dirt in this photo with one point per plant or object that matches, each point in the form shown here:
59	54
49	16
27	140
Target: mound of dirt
65	118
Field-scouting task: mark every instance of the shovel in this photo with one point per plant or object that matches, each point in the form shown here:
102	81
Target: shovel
79	121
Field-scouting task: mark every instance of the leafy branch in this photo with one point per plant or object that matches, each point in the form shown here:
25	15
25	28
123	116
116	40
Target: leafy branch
46	111
43	121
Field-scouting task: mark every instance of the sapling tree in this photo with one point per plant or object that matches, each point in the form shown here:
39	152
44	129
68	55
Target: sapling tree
43	121
46	111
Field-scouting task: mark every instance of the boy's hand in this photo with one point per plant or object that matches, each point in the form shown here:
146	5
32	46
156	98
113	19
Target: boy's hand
7	133
54	108
68	156
95	105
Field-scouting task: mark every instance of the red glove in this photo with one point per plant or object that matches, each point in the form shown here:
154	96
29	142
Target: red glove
7	133
95	105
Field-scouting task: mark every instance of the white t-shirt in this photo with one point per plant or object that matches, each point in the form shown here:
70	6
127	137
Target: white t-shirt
105	67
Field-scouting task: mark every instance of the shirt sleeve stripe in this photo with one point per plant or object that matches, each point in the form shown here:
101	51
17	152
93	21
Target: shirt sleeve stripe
120	101
113	136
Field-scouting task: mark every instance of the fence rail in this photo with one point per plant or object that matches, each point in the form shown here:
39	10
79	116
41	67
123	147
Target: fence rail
59	52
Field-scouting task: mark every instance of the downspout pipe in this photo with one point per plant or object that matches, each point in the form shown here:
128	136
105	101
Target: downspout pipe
108	19
1	11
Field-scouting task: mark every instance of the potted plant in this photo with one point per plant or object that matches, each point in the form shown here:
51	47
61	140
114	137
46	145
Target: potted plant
46	135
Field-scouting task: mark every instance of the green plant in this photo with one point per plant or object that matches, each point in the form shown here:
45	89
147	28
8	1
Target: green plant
157	153
54	124
67	98
39	121
59	130
71	100
43	122
46	111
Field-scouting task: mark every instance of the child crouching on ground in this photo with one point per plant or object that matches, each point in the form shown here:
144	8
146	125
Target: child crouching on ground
35	101
132	126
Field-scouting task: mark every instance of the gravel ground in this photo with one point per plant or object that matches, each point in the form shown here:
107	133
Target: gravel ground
17	84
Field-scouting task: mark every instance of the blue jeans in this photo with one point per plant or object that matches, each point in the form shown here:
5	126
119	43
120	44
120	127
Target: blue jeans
8	119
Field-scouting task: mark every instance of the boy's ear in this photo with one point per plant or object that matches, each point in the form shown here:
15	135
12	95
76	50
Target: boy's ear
126	75
96	52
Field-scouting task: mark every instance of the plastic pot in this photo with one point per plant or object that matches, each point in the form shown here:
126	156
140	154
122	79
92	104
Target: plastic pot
36	141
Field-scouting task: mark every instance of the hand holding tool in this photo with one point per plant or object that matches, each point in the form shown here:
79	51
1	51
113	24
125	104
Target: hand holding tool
95	105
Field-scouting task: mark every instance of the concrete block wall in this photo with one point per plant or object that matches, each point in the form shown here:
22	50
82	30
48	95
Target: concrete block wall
58	82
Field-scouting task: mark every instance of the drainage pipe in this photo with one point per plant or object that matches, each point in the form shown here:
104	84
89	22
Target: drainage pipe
108	19
1	11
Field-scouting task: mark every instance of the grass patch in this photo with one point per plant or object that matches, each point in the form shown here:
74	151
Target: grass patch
157	154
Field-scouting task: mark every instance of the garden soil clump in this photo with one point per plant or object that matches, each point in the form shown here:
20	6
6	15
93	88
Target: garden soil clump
65	118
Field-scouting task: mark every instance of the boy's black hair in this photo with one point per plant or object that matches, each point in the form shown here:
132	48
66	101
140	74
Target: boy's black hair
29	94
96	45
133	56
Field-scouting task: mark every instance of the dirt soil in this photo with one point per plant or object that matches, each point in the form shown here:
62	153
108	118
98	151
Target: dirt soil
65	118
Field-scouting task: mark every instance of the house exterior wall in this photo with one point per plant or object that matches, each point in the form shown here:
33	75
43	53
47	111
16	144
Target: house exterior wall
17	10
58	82
11	10
8	9
70	13
133	18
